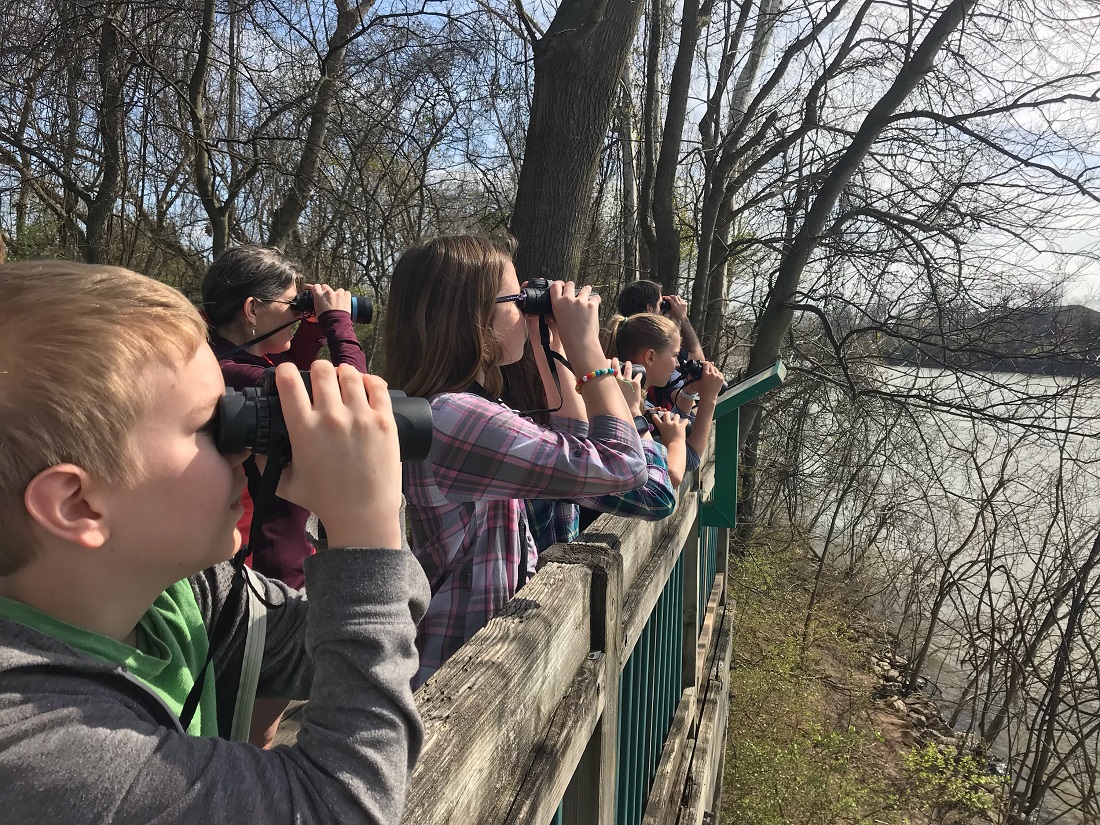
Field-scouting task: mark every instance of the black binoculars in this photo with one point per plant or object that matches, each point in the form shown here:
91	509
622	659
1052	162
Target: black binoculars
252	419
362	308
692	370
533	299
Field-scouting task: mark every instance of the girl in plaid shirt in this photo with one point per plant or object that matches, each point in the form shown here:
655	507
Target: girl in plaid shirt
446	336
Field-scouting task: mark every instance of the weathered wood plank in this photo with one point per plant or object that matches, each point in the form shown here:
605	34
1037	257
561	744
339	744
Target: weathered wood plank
710	743
689	677
287	734
668	783
491	704
558	755
652	577
636	539
723	550
591	795
703	652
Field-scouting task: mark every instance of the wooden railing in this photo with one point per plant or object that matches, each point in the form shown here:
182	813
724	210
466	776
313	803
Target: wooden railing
599	696
600	693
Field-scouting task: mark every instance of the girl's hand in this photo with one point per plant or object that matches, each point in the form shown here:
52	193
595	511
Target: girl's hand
710	382
671	426
632	389
577	314
346	466
326	298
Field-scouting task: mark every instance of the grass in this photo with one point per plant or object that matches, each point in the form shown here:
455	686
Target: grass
806	744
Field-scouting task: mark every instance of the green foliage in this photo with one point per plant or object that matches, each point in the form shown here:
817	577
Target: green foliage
39	238
945	781
786	761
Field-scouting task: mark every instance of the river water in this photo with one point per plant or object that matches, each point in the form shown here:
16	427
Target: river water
996	479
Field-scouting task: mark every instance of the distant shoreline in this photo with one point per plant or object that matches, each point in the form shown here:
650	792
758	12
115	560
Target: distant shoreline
1027	365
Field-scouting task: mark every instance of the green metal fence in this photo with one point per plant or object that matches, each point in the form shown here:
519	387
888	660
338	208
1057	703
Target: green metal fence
708	567
653	677
648	694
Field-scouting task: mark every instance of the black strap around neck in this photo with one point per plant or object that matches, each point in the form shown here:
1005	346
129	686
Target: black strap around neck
256	340
262	502
552	359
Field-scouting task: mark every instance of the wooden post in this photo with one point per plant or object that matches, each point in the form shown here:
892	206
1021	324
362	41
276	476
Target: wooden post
590	797
723	552
562	755
689	677
477	747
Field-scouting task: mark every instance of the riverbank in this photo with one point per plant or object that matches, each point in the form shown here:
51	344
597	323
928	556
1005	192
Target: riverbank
825	734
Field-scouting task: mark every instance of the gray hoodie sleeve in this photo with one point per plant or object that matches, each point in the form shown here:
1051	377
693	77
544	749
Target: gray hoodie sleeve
88	753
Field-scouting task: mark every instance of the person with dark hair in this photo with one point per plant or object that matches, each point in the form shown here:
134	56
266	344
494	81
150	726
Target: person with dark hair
451	324
246	293
640	296
246	296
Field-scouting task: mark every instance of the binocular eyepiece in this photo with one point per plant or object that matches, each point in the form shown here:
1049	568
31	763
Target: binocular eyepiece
362	308
533	299
252	419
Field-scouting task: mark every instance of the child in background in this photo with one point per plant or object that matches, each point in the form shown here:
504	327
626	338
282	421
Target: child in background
654	342
561	521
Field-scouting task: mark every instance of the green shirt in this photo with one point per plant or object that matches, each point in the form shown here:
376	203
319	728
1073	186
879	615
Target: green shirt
172	647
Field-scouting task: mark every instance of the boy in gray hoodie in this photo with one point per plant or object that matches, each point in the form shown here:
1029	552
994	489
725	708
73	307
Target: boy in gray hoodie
119	519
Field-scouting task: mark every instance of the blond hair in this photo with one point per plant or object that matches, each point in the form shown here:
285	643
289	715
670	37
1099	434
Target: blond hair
74	345
628	338
438	333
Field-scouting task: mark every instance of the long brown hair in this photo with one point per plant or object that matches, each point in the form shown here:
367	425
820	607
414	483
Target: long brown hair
438	332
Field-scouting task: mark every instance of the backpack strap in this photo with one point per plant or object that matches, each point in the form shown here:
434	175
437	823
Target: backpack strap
255	638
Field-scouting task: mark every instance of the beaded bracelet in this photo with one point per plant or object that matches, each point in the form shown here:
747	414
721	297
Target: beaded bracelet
584	379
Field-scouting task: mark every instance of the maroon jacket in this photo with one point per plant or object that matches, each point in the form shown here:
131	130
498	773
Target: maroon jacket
280	548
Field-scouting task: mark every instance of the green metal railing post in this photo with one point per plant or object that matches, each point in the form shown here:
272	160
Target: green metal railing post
721	510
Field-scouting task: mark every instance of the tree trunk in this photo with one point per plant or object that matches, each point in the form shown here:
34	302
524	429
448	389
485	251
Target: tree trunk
664	184
578	64
628	142
286	216
778	314
111	121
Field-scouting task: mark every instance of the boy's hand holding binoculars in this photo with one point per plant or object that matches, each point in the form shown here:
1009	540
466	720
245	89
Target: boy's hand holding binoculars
677	307
346	465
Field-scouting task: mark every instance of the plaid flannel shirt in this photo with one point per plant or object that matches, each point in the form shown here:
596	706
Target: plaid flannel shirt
552	522
466	505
